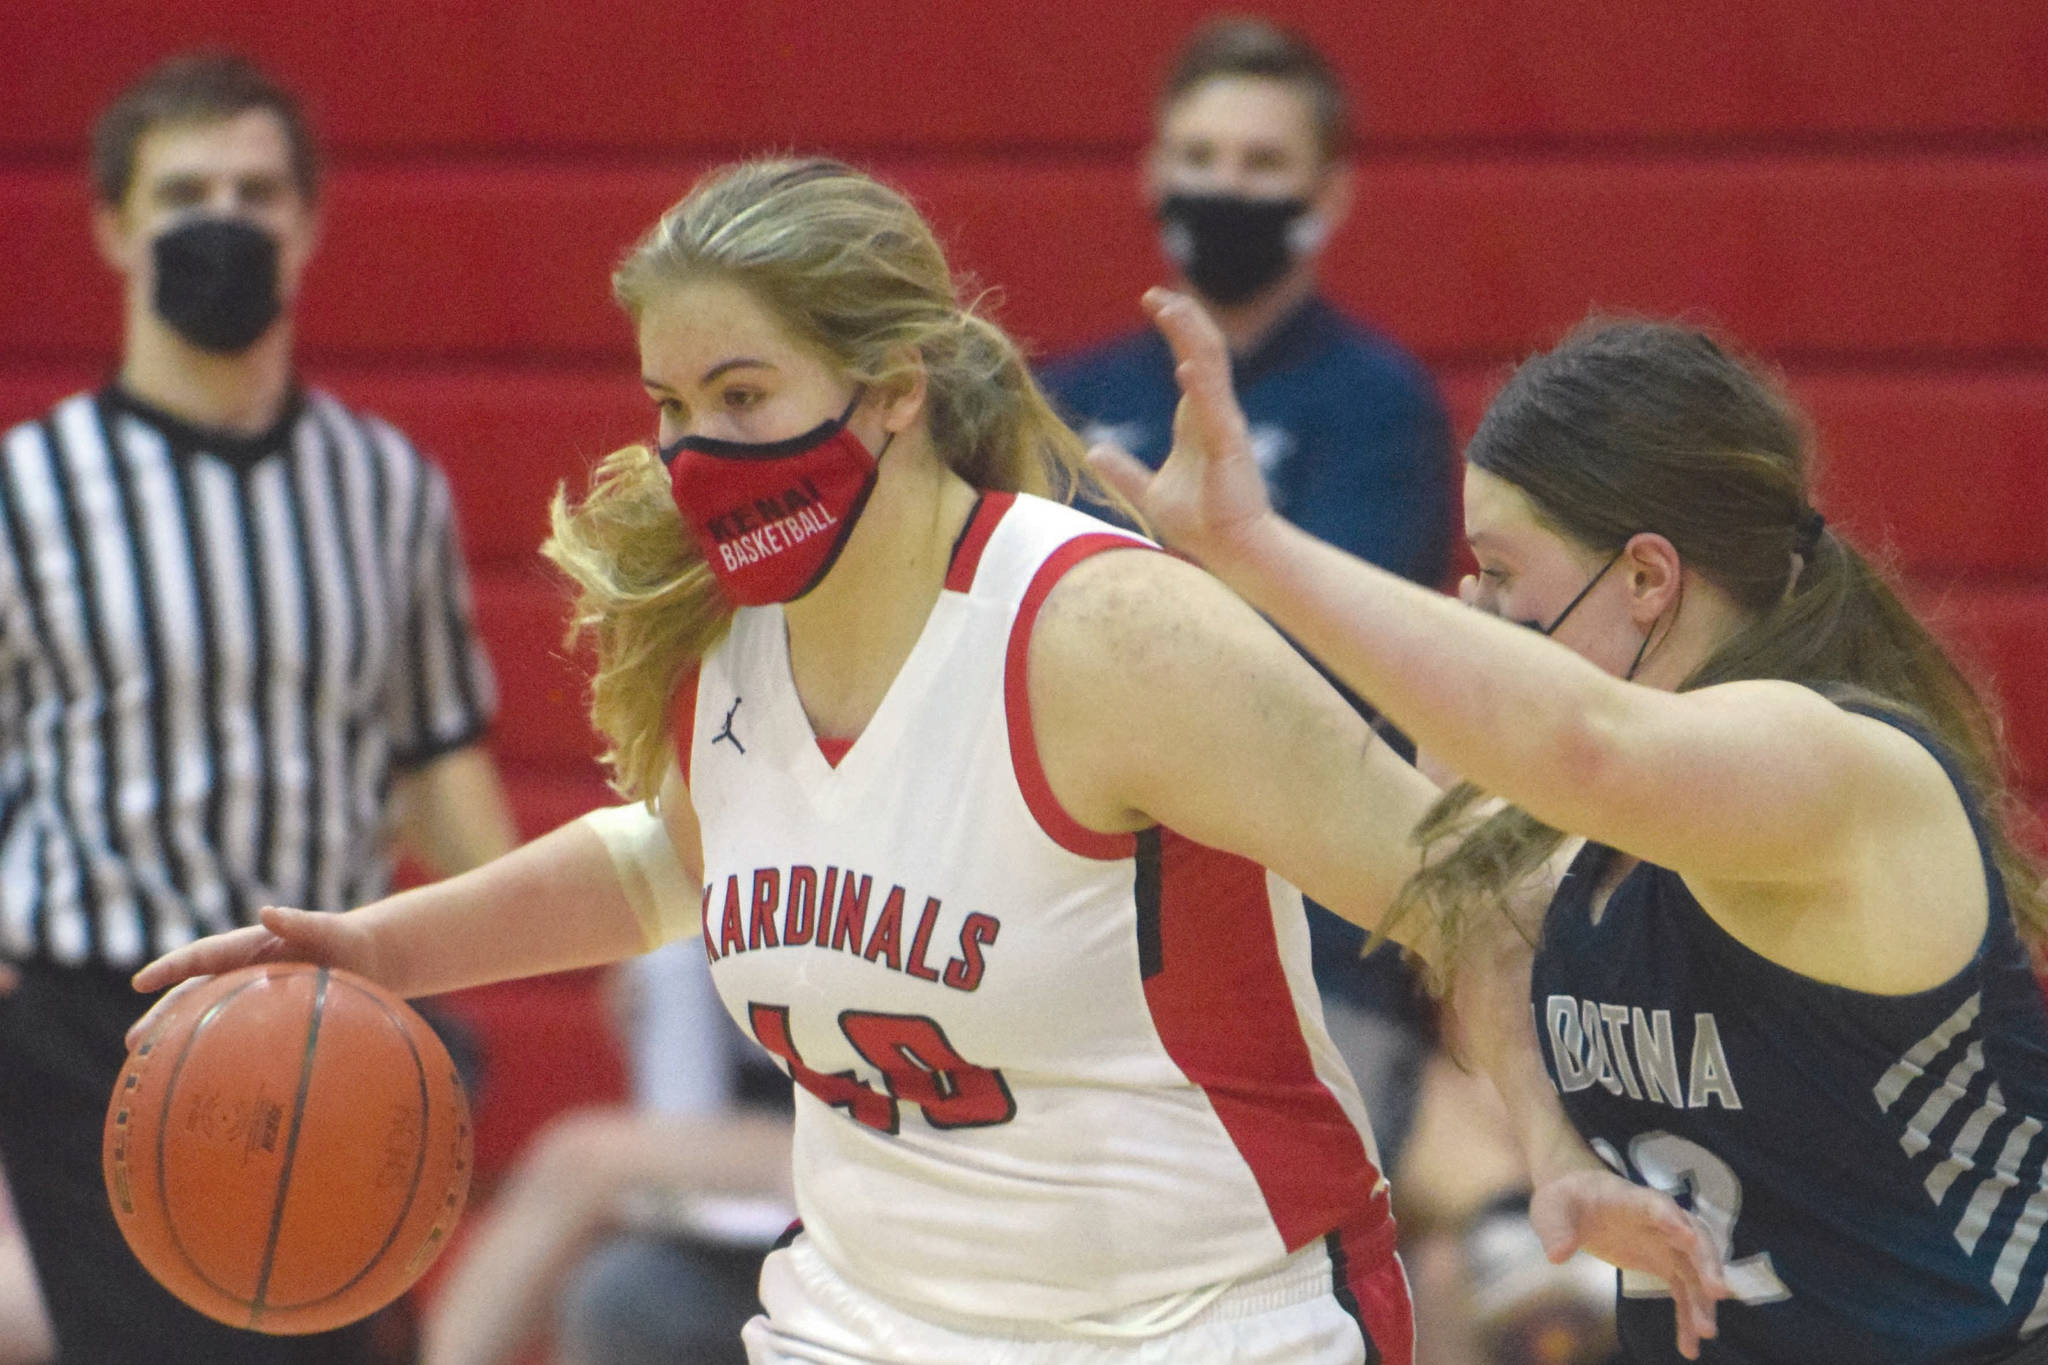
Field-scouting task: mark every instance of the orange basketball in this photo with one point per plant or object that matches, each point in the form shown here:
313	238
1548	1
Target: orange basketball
288	1148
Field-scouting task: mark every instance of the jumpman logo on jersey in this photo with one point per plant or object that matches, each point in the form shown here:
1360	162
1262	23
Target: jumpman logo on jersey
727	733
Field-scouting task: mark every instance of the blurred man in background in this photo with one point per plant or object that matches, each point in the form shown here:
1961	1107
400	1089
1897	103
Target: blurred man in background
235	656
1248	178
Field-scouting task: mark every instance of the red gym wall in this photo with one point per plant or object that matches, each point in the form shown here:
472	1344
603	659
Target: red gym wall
1858	191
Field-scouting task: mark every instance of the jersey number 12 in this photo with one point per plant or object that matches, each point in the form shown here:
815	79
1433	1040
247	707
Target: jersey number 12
1693	1175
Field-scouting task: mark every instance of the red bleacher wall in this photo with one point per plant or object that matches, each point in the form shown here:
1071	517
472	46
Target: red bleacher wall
1860	192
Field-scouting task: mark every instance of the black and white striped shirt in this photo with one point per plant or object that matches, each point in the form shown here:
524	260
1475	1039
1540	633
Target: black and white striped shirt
215	654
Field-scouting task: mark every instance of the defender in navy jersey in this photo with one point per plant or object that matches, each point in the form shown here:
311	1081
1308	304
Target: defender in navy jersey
1788	979
1882	1153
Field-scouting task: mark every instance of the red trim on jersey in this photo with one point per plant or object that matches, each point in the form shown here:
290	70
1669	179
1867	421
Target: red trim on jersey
974	539
1226	1015
682	719
1052	817
834	749
1372	1287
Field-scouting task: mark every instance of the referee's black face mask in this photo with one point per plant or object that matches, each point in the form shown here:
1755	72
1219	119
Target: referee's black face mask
216	282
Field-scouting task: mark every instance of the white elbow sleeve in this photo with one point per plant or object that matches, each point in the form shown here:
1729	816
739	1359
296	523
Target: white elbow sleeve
649	872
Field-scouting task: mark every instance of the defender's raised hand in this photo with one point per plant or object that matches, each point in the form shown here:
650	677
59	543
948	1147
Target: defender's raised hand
1209	498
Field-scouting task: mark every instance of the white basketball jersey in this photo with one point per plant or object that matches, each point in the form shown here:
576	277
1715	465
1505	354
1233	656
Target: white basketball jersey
1044	1074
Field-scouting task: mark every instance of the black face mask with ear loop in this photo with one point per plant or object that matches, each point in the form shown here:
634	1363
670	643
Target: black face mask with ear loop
1572	606
216	283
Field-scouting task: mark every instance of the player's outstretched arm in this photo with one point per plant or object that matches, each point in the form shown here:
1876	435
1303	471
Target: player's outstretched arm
1779	784
569	899
1159	697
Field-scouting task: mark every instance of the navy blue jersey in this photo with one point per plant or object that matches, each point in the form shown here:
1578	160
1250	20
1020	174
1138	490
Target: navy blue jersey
1872	1164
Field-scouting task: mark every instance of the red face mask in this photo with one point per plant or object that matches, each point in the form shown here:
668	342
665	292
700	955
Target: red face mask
771	516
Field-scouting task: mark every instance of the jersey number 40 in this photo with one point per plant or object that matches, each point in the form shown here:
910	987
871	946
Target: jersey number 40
917	1064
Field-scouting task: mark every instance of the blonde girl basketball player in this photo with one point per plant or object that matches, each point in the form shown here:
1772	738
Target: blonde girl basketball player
975	800
1788	973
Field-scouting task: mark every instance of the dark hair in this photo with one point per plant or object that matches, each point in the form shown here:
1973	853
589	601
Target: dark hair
194	87
1629	427
1258	48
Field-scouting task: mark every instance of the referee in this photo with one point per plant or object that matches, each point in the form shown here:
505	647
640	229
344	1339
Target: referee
235	654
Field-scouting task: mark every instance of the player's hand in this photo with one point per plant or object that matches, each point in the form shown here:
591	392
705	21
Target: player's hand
1635	1228
283	935
1209	498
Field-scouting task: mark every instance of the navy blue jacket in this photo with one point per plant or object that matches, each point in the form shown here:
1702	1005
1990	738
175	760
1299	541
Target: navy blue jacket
1347	425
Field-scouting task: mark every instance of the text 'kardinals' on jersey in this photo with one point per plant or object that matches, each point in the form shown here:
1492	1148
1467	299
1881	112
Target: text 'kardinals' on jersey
803	909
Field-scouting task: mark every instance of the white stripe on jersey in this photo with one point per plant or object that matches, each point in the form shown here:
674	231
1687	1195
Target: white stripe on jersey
1993	1184
241	765
67	737
358	478
178	660
107	586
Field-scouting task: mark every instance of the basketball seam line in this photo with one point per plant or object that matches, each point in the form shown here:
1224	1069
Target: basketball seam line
163	1129
291	1150
418	1167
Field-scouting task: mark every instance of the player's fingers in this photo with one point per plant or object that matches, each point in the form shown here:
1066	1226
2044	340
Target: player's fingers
1688	1339
1191	334
1694	1302
1555	1221
1714	1271
1121	470
1202	365
1692	1313
1704	1322
1213	416
206	957
312	934
1698	1255
1694	1275
142	1027
1189	328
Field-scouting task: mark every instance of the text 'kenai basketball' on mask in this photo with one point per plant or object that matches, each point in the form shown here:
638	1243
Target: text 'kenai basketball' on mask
770	517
